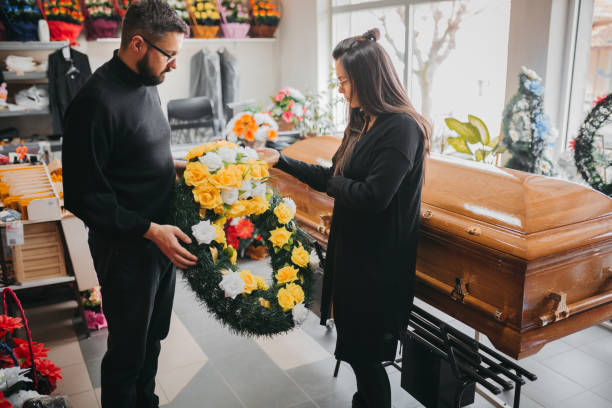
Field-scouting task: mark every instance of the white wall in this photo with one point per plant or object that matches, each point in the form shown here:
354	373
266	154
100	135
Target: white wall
257	60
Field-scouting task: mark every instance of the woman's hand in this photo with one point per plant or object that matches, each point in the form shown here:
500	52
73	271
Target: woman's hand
271	156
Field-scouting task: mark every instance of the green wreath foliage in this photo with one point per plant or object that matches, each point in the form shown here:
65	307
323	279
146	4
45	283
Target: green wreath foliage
245	314
584	149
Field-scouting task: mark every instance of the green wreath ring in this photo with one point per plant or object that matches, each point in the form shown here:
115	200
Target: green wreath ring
600	115
222	181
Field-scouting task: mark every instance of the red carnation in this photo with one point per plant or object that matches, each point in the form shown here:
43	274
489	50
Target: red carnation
48	369
4	403
8	324
231	237
245	228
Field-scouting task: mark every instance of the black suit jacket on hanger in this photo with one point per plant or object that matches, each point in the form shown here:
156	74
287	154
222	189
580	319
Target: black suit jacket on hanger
63	88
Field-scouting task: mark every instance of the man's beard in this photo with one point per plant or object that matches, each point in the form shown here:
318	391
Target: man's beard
146	74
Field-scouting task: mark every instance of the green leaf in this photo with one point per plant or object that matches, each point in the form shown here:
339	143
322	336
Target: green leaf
459	144
481	154
482	129
464	129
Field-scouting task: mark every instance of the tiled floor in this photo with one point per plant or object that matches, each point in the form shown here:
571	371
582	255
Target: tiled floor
204	365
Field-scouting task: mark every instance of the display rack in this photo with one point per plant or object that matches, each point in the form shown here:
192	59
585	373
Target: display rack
31	45
26	76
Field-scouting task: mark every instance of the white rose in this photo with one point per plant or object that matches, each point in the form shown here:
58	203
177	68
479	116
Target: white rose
246	190
296	94
300	313
204	232
227	155
290	203
232	284
259	190
314	259
229	196
212	161
261	135
251	153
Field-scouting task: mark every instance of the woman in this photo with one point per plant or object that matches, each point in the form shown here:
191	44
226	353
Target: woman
376	182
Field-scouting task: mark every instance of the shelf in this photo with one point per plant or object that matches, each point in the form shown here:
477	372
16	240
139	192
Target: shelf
42	282
204	40
11	114
27	76
31	45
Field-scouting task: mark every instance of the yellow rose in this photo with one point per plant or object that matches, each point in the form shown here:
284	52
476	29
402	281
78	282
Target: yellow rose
261	283
296	292
239	209
208	196
196	173
259	169
200	6
283	213
220	234
279	237
258	205
219	210
300	256
264	303
286	274
285	300
230	177
245	171
250	284
196	152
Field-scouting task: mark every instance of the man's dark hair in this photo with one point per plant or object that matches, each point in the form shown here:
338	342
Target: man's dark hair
151	19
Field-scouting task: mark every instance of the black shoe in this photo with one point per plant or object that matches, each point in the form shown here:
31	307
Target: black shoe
358	401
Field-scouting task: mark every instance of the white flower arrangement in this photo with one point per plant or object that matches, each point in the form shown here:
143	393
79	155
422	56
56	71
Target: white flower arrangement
299	313
212	161
232	284
11	376
204	232
251	127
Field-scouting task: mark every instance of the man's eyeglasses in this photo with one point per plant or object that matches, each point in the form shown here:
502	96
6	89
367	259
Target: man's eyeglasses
170	57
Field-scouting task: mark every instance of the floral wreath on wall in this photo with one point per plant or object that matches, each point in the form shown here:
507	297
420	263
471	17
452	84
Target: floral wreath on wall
222	181
589	160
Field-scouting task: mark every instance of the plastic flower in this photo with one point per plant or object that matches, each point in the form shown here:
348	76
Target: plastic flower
286	274
244	228
296	291
300	256
283	213
204	232
8	324
285	300
232	284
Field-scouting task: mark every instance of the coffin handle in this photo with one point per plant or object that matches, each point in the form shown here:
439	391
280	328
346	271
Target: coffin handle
562	311
325	224
427	214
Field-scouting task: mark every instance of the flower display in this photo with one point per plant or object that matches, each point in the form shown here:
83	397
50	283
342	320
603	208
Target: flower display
265	13
205	12
68	11
288	106
527	131
181	9
254	128
234	11
100	9
224	203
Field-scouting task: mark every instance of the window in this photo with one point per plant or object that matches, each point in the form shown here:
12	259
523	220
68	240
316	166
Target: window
451	54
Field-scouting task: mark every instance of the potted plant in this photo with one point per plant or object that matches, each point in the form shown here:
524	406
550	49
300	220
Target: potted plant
288	108
234	18
205	18
265	19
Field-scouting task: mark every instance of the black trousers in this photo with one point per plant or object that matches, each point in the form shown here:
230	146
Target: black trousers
137	282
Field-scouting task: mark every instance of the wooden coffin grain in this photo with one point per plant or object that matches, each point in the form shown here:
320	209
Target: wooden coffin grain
523	259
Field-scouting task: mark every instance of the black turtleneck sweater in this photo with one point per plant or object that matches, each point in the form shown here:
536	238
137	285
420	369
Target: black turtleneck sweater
117	165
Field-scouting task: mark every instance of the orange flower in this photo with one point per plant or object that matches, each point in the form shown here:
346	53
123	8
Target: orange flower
272	134
249	136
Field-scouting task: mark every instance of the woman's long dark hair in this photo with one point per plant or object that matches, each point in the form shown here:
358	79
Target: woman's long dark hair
377	86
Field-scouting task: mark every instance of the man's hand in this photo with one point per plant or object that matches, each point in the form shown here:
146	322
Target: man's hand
165	237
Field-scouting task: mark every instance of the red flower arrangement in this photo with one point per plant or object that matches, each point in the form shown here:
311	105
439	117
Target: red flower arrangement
240	234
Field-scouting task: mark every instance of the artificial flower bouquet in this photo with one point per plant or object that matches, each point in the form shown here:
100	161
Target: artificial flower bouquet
25	370
20	17
253	129
101	19
265	19
205	19
92	303
242	235
65	19
288	108
234	18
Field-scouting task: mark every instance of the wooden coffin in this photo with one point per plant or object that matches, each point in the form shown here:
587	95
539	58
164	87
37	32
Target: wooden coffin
524	259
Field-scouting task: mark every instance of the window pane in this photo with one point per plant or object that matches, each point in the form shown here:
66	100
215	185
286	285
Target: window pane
459	60
599	80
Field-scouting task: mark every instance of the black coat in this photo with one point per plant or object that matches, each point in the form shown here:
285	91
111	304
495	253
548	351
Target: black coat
371	253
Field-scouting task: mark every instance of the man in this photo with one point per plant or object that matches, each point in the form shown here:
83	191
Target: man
118	178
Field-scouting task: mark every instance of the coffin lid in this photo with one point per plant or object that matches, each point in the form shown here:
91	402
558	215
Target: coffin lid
519	201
